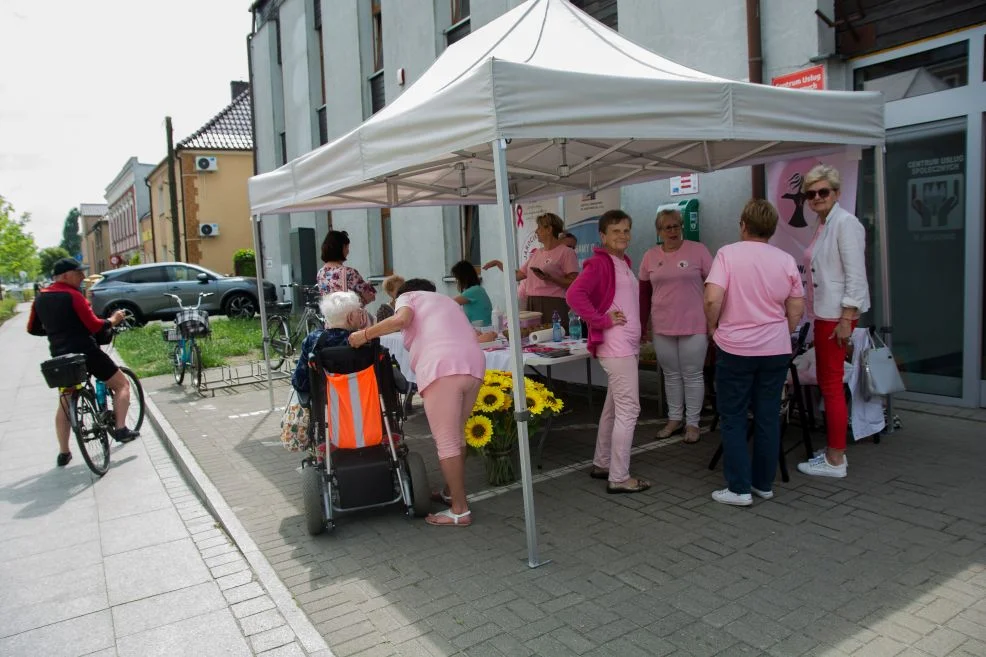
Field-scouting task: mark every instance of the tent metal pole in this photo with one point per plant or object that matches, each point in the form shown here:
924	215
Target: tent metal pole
521	413
879	157
263	307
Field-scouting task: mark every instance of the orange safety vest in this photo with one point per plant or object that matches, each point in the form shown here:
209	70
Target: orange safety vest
353	416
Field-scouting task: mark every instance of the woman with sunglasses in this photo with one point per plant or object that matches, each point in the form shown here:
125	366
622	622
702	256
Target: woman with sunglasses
671	278
837	294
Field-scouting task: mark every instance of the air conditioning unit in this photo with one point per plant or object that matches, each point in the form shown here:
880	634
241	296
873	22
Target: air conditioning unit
208	230
204	163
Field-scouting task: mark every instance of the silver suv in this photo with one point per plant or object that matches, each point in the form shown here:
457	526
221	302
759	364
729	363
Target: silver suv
140	291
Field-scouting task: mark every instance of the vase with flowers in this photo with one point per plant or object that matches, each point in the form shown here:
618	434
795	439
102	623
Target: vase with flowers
491	429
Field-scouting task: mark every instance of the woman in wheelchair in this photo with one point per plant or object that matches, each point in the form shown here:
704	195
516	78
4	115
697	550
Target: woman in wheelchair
343	314
449	365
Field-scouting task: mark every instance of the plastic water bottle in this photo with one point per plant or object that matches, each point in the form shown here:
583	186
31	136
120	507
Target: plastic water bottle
496	317
100	394
574	325
556	332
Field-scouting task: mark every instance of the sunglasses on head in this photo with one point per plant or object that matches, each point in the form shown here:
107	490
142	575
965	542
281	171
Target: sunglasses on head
820	193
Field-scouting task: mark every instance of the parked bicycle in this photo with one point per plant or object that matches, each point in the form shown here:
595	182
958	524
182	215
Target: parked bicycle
90	408
190	325
283	341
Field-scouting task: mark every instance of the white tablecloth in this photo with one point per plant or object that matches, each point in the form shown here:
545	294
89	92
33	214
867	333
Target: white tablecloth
565	368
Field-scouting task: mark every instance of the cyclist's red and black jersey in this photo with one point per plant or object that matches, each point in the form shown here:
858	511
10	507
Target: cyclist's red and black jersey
62	313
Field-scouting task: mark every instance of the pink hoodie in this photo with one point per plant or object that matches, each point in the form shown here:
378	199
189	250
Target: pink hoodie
592	293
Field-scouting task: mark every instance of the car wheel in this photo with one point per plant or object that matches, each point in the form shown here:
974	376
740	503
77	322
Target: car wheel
133	316
240	305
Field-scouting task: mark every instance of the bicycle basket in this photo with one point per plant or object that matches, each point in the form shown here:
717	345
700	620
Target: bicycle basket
193	322
171	334
65	371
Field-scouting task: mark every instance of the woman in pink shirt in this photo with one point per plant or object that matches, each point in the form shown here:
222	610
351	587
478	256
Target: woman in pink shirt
549	271
607	296
671	278
449	366
753	301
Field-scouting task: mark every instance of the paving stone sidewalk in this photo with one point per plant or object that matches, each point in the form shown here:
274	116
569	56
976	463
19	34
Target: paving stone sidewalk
131	564
891	560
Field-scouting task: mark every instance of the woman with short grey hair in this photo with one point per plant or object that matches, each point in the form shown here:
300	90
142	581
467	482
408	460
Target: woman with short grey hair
671	278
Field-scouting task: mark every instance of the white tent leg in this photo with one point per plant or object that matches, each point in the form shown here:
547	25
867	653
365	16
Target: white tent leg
517	355
879	157
263	307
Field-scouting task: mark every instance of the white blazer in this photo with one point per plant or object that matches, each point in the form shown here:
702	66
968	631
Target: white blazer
838	266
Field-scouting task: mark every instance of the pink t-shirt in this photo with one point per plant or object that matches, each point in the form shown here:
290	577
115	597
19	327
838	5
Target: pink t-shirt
758	279
622	341
677	280
439	338
559	261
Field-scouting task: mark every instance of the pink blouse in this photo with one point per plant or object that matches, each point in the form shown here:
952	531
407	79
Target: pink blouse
559	261
623	341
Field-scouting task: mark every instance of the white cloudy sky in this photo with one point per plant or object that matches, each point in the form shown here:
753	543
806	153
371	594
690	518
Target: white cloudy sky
86	84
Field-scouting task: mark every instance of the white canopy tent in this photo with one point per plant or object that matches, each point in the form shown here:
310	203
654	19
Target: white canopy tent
545	101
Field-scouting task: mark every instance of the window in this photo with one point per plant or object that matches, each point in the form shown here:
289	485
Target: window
388	242
922	73
148	275
378	98
604	11
323	126
277	37
469	233
323	132
460	27
282	140
377	17
460	10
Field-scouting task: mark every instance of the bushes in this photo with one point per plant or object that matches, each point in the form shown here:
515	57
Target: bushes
245	263
7	308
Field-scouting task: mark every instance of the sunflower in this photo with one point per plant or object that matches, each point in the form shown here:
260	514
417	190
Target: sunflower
489	400
479	431
554	404
535	402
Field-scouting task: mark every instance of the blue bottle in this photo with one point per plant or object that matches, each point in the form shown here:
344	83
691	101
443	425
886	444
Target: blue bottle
100	394
574	325
556	332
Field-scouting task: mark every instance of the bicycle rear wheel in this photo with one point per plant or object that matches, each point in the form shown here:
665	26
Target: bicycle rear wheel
280	340
311	324
89	431
135	412
196	366
178	363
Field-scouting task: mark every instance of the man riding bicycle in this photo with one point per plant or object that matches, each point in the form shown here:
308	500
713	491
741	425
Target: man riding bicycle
61	313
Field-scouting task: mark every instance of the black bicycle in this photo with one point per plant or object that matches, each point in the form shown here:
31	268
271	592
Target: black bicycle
284	341
90	406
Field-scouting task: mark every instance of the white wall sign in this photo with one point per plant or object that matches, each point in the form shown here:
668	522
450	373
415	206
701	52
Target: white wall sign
683	185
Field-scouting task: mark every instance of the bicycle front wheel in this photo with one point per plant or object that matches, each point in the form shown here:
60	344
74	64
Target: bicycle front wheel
196	366
311	324
89	431
280	340
178	363
135	411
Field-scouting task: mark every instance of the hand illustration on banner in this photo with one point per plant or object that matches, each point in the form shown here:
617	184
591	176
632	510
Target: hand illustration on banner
935	202
797	219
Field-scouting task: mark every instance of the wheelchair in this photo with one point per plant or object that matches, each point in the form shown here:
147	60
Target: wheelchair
357	458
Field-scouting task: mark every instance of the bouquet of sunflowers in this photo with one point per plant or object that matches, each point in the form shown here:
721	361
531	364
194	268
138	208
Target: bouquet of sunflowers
492	430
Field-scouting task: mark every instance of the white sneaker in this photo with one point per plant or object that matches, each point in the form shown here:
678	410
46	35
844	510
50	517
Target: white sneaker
726	496
820	467
822	451
763	494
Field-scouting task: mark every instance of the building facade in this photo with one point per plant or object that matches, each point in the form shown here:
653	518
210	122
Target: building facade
315	80
127	200
95	238
211	169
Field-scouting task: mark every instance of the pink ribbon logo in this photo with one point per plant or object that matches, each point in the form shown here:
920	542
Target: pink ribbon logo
520	216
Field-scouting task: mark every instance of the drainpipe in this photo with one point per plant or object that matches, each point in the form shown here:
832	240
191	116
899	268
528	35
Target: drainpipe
150	202
259	246
184	225
754	49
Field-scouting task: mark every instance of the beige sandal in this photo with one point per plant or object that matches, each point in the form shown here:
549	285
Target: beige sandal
692	434
670	429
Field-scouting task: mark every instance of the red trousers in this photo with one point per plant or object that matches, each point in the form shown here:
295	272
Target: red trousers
829	357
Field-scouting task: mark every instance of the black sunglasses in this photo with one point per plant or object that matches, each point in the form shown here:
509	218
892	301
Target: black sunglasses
821	193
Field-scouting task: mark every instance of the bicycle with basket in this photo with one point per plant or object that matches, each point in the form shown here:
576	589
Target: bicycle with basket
89	406
191	324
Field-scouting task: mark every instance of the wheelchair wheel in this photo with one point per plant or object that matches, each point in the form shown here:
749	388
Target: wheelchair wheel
311	487
420	490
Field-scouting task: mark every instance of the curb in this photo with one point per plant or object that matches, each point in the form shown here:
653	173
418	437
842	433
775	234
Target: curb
310	638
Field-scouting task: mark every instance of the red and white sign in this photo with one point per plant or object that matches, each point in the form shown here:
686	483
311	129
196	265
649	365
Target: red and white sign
115	260
809	78
682	185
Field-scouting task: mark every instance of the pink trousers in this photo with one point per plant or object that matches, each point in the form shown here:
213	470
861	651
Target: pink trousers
448	404
615	436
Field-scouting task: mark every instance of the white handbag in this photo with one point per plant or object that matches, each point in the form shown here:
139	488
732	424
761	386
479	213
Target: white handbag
880	375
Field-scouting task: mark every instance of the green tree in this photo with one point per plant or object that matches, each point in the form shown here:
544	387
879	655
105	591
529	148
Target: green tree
18	252
48	257
71	240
